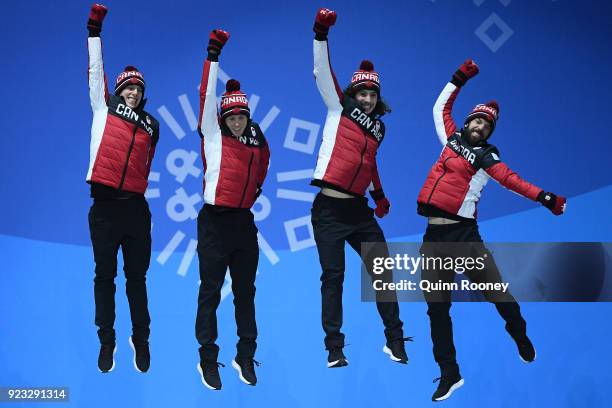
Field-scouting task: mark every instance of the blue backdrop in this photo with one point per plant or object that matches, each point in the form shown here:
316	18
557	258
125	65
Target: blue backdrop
548	65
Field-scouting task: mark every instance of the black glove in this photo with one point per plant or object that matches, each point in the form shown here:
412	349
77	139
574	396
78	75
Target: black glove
556	204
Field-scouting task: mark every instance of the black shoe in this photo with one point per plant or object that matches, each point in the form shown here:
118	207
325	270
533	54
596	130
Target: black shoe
446	387
246	369
526	350
209	371
142	357
106	358
396	351
336	358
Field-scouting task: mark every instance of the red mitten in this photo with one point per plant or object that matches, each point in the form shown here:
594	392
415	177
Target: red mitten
325	18
560	205
217	40
382	207
466	71
96	17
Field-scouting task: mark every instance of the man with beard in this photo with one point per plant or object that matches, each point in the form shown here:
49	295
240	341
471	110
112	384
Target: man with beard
448	199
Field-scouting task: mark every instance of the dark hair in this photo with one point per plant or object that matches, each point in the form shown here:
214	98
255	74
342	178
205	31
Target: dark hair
381	107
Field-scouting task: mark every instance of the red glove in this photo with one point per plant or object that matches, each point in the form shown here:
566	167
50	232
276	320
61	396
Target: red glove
217	40
466	71
556	204
96	16
382	207
325	18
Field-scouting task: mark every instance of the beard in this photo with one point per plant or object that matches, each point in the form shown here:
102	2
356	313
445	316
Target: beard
475	137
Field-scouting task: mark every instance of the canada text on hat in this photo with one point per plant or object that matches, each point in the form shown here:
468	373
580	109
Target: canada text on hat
486	109
129	76
234	101
489	111
365	77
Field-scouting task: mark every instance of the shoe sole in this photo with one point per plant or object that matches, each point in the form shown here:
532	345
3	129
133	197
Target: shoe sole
134	350
535	354
204	381
452	389
388	352
239	369
113	366
343	362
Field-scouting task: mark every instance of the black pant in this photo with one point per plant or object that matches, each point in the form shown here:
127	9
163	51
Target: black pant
124	223
226	238
336	221
439	302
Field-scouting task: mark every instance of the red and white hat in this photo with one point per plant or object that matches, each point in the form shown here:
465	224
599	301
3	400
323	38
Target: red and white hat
488	111
234	101
365	78
129	76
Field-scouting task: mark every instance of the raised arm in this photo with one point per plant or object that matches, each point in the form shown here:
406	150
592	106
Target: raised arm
324	75
208	120
98	91
443	108
505	176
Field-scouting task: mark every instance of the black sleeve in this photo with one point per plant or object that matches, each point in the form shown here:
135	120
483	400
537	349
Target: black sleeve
490	156
383	129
